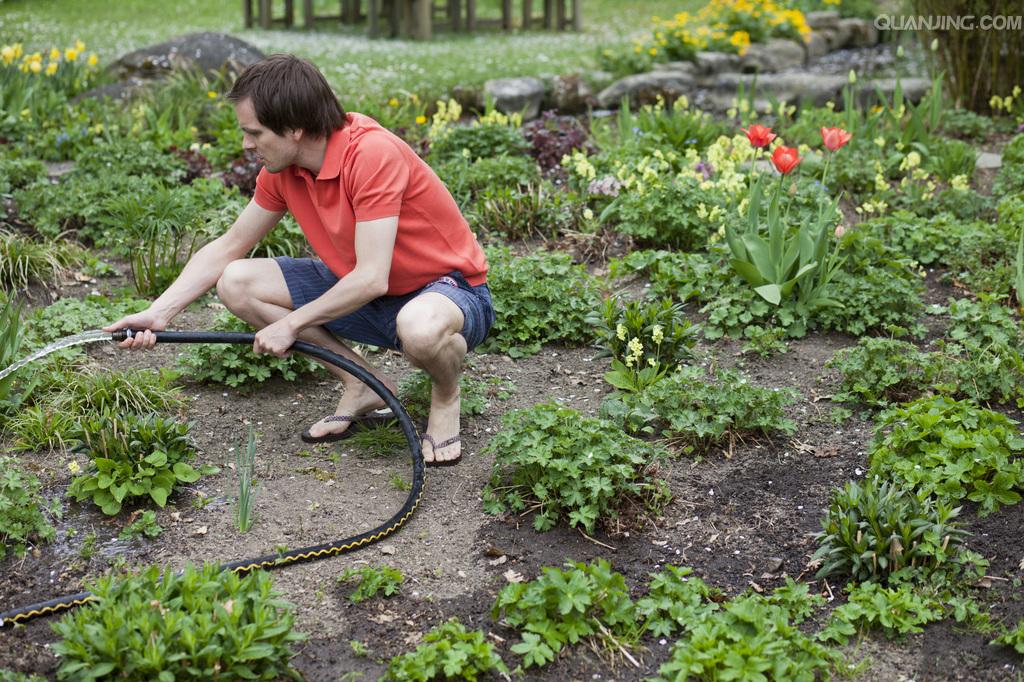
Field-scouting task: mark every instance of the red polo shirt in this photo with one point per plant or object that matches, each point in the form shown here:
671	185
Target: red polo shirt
370	173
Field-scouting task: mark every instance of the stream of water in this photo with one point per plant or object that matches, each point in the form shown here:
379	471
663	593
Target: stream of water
93	336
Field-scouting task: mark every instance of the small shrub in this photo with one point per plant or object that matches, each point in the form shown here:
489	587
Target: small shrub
966	124
484	139
645	339
372	581
476	394
678	215
878	372
674	601
948	158
537	210
552	137
16	173
68	316
201	624
133	457
952	449
695	412
874	529
449	652
896	611
25	261
23	509
144	526
12	338
467	180
542	298
554	461
132	157
583	601
751	637
1012	638
96	390
236	365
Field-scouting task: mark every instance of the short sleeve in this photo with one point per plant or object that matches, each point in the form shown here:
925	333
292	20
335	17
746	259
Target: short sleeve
268	194
376	178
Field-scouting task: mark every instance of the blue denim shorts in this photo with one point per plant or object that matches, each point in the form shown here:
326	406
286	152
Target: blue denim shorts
375	323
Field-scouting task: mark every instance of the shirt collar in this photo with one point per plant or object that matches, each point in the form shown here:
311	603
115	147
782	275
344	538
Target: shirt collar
336	145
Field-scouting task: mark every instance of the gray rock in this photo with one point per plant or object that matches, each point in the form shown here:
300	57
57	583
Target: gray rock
914	89
989	160
645	87
710	63
823	19
862	32
511	95
843	35
817	45
775	55
688	68
570	94
787	87
210	52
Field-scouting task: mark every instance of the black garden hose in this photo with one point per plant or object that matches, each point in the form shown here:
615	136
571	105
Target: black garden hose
311	553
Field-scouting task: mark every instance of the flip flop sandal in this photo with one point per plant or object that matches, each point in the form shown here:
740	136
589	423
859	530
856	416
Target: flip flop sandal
437	446
356	422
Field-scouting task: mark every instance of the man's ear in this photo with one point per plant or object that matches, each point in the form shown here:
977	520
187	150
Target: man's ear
296	134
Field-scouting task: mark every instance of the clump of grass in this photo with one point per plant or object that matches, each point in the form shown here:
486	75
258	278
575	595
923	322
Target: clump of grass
24	261
245	461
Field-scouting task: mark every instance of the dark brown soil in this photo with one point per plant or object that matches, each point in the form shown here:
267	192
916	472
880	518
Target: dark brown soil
742	519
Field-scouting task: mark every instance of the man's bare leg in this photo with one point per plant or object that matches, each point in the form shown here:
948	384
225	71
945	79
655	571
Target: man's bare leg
429	328
255	290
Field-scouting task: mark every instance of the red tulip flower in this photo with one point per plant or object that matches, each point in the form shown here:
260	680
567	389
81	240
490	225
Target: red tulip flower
834	138
759	136
785	159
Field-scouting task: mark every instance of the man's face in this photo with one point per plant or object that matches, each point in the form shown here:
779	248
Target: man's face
274	151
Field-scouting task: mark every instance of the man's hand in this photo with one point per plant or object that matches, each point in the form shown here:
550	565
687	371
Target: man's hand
275	339
143	324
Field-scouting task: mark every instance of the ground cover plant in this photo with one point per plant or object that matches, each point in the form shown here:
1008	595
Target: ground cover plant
668	281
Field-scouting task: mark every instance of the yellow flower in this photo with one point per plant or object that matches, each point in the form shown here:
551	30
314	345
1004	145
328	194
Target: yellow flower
620	331
880	141
54	54
653	51
35	67
51	68
1007	103
588	214
71	54
211	94
995	102
421	119
7	54
393	102
93	59
74	467
79	46
1016	91
658	334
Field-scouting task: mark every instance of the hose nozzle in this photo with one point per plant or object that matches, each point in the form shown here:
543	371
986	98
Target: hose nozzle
121	335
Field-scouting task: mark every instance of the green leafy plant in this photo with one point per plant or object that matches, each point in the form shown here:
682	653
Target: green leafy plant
644	339
486	138
553	461
12	338
874	529
676	215
537	210
145	525
68	316
199	624
1012	637
674	601
752	637
16	173
896	611
133	457
476	394
245	463
765	341
952	449
236	365
541	298
372	581
878	372
449	652
25	261
468	180
24	512
694	411
801	261
560	607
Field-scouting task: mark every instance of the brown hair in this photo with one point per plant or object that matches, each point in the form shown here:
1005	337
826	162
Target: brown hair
289	93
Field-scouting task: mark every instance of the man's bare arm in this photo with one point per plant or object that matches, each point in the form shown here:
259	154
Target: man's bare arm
201	272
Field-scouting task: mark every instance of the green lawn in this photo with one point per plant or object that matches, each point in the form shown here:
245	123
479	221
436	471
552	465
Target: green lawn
356	66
